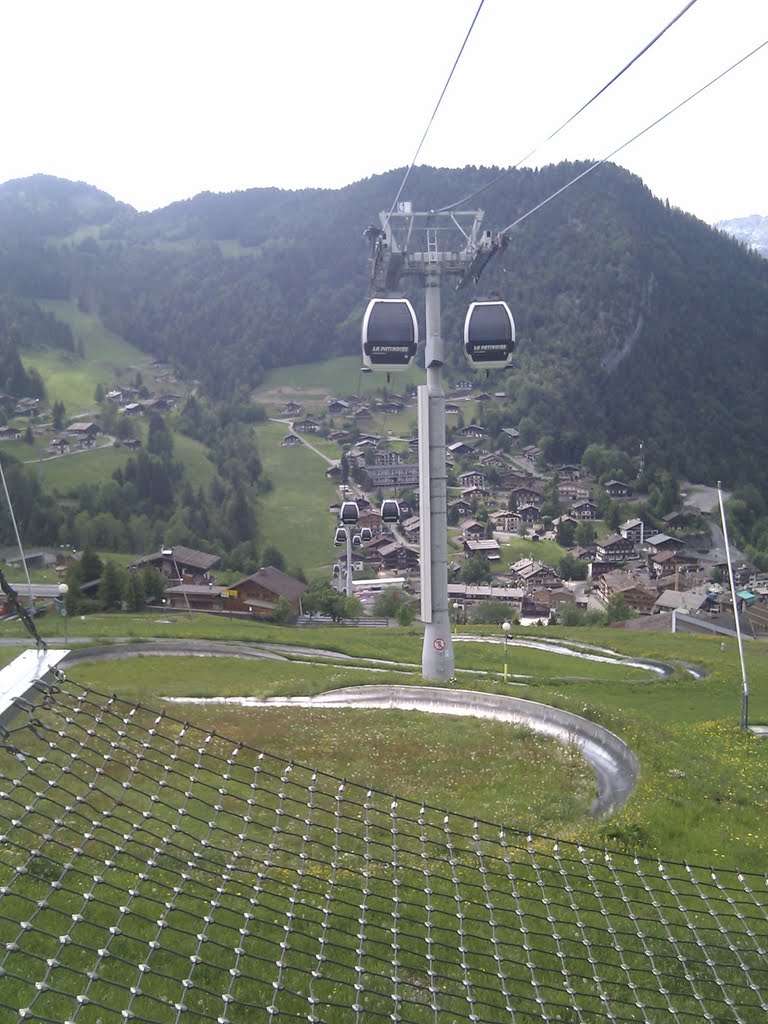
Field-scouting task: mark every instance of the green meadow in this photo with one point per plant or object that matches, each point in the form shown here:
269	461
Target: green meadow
107	359
294	513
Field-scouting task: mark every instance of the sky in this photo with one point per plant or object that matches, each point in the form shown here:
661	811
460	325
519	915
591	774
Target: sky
157	101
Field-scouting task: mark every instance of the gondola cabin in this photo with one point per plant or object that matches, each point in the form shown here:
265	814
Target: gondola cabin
390	511
390	335
489	336
340	536
366	533
349	513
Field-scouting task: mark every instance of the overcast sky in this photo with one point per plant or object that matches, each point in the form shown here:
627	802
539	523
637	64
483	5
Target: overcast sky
157	101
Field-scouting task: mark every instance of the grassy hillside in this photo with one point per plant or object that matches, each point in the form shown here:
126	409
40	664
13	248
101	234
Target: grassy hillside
294	515
107	359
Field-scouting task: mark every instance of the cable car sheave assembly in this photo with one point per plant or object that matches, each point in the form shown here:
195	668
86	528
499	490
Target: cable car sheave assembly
430	246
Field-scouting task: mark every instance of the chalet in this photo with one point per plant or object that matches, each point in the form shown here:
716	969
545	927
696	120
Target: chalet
492	459
404	474
411	527
511	433
614	548
133	409
667	562
460	448
472	478
460	507
472	530
390	408
132	443
524	495
307	425
337	406
291	440
463	385
661	542
676	520
483	397
333	472
370	518
84	430
531	572
10	434
398	556
637	591
161	403
451	409
529	514
686	601
260	593
569	472
363	413
338	436
552	597
506	521
473	430
489	548
199	597
387	458
633	529
617	489
475	493
565	520
531	452
584	509
291	409
180	563
463	595
28	407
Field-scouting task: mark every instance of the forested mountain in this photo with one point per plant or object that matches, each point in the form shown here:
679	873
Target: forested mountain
636	322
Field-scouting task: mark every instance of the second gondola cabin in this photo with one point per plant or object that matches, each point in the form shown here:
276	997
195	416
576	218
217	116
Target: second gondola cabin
390	335
489	335
349	513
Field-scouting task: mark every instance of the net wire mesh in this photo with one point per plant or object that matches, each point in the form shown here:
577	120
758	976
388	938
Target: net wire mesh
153	871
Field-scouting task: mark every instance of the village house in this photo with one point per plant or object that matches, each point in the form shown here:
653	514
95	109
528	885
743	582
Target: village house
636	589
473	430
659	542
569	471
505	520
584	509
405	474
291	409
531	572
633	529
260	593
489	548
460	448
180	563
531	453
337	406
472	530
617	489
291	440
451	409
307	425
385	457
460	508
472	478
614	548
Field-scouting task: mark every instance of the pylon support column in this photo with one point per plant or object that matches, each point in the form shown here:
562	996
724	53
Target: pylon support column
437	662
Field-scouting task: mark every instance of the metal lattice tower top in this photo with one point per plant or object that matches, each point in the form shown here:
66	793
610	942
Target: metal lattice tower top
153	871
435	242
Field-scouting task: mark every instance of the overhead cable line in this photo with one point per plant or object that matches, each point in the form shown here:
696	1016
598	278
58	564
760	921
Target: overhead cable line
573	117
634	138
434	112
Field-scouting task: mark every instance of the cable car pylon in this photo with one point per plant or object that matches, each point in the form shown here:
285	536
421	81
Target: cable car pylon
429	247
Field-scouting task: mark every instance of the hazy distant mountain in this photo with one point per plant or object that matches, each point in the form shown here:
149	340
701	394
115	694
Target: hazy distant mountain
752	231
